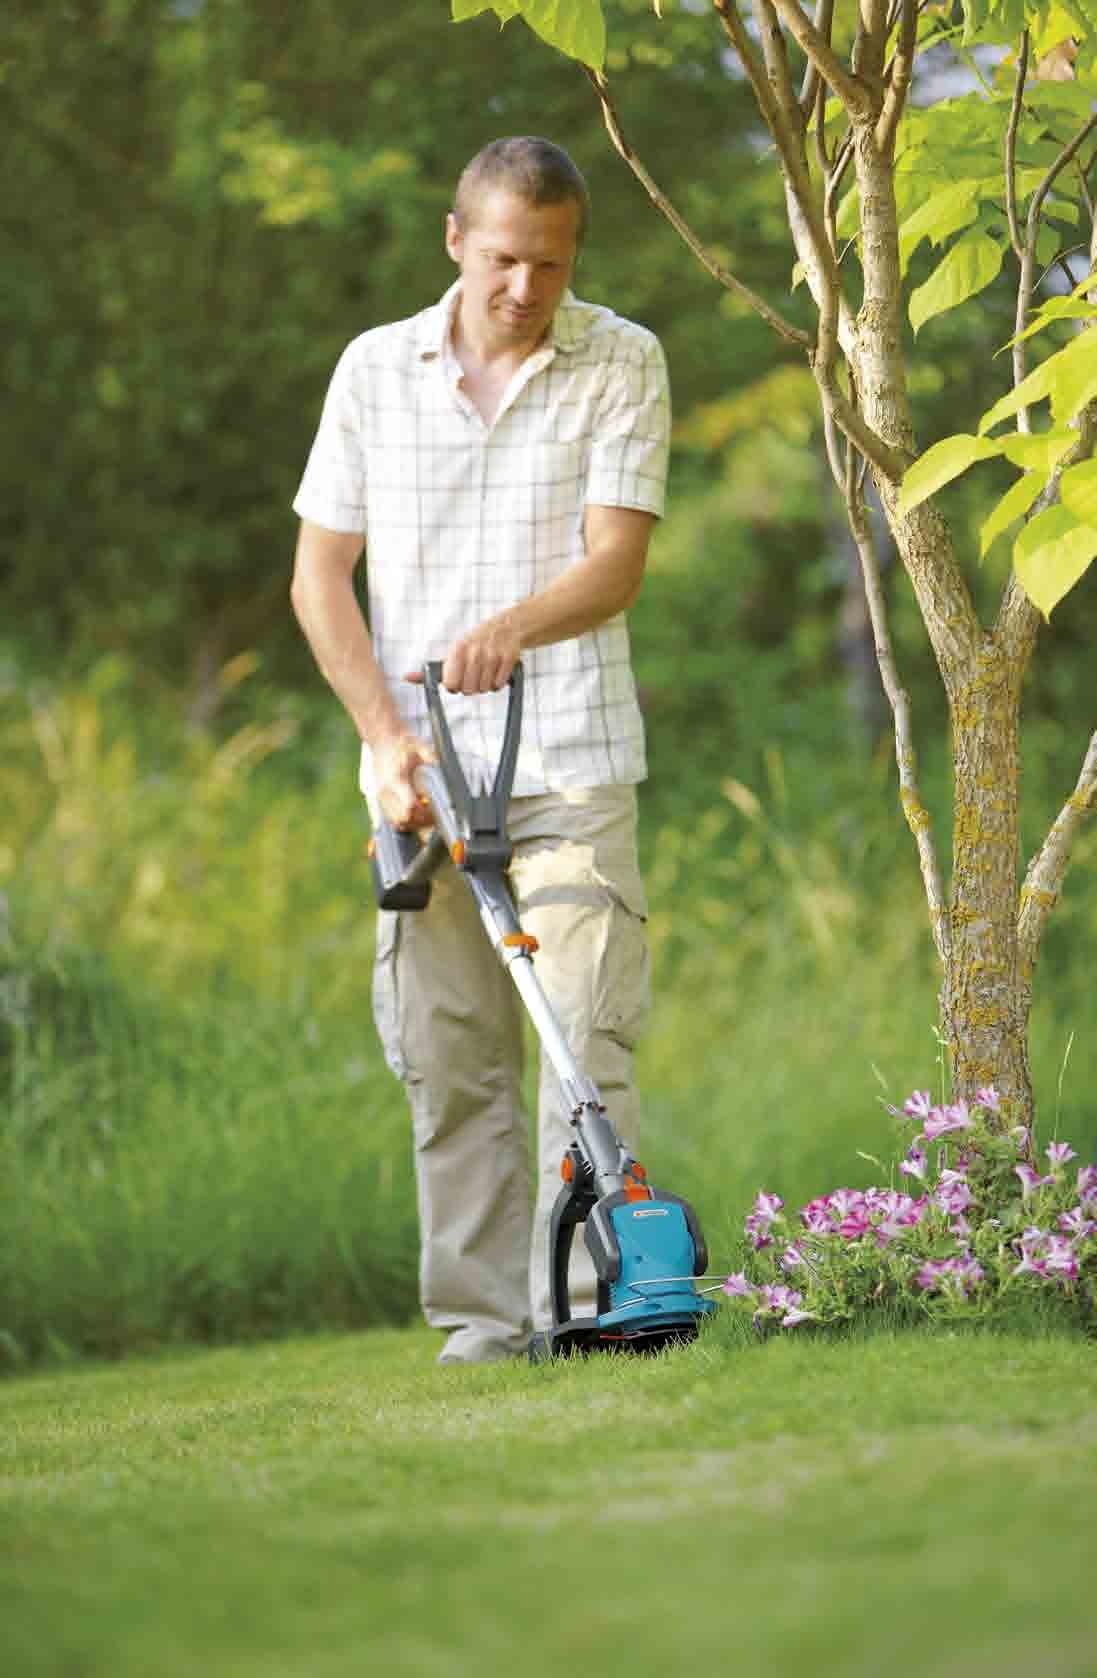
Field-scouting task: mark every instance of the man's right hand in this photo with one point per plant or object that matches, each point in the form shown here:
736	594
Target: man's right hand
395	761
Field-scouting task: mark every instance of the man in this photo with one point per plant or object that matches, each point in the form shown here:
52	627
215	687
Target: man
501	459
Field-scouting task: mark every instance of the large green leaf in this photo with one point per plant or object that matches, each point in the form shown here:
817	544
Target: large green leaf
575	27
1014	504
1078	491
1032	388
940	464
1075	381
1056	308
942	215
1050	555
970	266
1039	452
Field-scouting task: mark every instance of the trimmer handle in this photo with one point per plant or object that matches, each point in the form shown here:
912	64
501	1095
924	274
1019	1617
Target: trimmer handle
470	827
480	817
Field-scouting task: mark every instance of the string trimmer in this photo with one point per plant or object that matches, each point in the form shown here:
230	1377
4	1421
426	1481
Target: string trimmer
645	1243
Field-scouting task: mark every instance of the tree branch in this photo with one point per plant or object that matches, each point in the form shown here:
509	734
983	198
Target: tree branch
899	77
785	329
1047	870
1011	150
851	423
824	23
850	89
1025	284
917	816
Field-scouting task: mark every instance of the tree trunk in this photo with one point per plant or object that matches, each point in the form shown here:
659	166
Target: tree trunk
984	997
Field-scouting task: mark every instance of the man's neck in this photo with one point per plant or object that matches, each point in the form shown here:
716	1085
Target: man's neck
490	357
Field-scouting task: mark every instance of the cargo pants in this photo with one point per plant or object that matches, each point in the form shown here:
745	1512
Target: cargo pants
450	1022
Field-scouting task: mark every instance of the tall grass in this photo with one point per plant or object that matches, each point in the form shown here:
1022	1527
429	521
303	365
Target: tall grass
199	1138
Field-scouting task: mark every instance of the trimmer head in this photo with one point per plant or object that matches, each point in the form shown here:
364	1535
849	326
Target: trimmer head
648	1251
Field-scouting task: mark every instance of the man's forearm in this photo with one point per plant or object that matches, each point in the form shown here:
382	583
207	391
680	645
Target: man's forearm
326	607
594	589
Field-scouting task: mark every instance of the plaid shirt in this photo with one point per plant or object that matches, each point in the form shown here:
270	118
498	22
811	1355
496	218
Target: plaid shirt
462	519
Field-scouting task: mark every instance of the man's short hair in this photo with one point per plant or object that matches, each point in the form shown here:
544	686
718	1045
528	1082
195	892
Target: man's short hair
533	169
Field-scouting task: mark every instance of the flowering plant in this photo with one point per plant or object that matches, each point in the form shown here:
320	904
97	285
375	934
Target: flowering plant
971	1227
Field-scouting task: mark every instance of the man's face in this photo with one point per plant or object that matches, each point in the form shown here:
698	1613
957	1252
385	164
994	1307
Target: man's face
516	260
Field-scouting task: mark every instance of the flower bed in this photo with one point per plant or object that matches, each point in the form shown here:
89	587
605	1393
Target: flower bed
971	1228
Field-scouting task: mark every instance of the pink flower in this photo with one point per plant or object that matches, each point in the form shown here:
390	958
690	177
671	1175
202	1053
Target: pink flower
775	1298
738	1287
1077	1224
855	1224
791	1318
945	1119
988	1098
1030	1180
915	1164
1087	1183
1060	1258
1021	1137
1059	1152
766	1208
952	1194
918	1105
792	1257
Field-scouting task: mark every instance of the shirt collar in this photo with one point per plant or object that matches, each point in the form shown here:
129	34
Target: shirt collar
571	324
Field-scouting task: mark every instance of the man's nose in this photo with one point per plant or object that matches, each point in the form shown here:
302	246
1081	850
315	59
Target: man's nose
521	283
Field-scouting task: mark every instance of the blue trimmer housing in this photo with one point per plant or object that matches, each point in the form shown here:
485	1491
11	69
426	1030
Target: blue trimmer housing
648	1251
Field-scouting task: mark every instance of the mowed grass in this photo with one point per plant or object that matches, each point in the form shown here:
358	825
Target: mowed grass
917	1504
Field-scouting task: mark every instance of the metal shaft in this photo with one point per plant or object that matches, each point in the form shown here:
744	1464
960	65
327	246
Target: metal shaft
597	1137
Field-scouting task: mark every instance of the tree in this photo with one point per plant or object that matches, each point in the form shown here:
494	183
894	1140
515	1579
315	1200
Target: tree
874	161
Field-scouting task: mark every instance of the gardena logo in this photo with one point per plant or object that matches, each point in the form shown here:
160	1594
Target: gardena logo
651	1212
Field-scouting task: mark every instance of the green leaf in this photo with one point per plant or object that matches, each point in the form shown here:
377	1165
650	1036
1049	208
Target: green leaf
1039	452
942	215
1056	308
1078	491
1075	381
1014	504
1050	555
940	464
463	9
970	266
1031	389
575	27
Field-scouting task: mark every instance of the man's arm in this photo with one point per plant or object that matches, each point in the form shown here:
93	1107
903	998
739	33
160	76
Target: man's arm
604	582
327	609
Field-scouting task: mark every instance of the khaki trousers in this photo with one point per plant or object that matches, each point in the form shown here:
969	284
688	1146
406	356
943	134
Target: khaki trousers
450	1022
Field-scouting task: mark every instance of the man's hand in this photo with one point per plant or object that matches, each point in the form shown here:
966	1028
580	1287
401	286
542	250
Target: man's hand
395	761
482	660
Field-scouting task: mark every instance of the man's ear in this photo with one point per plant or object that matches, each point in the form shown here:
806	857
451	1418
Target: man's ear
455	241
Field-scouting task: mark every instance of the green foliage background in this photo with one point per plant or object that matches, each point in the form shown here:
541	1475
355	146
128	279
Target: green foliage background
207	201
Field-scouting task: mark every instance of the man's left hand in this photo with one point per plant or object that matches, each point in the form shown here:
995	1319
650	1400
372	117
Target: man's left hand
482	660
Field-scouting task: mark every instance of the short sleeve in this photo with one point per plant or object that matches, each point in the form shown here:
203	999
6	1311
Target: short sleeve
631	439
333	489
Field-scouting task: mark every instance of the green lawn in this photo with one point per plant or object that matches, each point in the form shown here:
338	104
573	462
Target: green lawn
919	1504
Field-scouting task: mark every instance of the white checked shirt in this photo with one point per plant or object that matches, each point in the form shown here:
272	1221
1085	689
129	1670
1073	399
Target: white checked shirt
462	519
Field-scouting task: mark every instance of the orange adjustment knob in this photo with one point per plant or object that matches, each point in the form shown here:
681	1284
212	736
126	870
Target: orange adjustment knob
458	851
567	1169
638	1171
371	847
521	940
